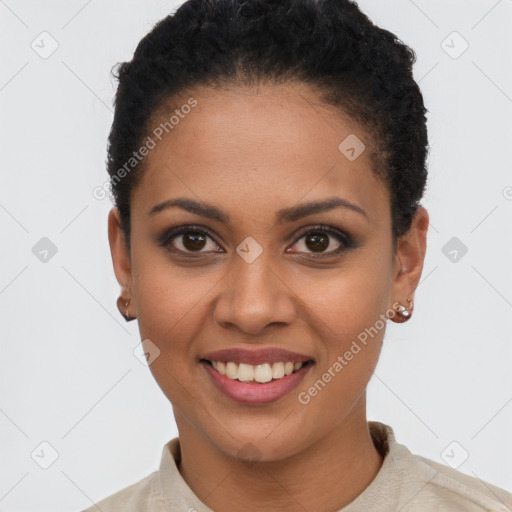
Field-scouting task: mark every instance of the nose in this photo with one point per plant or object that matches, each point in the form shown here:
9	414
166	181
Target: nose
253	297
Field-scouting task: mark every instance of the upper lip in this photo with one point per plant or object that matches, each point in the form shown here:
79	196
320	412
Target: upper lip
256	356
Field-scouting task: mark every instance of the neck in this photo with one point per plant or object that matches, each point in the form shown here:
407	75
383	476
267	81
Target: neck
327	476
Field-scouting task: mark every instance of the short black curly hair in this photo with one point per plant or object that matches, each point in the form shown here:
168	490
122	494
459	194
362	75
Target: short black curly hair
329	45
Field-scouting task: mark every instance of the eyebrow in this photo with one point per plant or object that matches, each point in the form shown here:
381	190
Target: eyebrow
291	214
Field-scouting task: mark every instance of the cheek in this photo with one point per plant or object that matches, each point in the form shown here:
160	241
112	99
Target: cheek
349	314
167	296
350	301
352	329
170	313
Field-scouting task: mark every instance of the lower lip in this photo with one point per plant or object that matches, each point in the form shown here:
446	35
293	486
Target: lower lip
255	392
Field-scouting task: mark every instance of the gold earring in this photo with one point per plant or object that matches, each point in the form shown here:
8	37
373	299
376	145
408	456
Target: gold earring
403	313
124	310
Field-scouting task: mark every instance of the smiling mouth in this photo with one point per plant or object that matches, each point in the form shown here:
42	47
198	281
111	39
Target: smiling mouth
261	373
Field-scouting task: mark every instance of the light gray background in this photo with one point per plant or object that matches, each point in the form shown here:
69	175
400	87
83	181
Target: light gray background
68	373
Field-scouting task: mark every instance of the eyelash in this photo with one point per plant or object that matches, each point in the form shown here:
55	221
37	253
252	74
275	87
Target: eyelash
346	241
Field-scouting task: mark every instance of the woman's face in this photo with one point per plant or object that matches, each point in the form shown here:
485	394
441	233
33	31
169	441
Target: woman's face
254	280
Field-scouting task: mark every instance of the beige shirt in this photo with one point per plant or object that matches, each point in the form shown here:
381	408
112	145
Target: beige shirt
406	482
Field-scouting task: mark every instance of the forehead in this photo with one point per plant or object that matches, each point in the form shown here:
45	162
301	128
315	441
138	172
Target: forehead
261	148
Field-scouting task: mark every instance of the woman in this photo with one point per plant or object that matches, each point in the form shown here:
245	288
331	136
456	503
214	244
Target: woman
267	161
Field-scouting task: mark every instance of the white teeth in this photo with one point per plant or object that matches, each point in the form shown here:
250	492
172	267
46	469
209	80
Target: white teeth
278	370
245	372
263	373
231	370
260	373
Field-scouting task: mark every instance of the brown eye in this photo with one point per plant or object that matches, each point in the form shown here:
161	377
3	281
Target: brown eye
188	240
317	241
193	242
321	241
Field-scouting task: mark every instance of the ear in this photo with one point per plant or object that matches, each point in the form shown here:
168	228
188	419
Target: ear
409	258
120	252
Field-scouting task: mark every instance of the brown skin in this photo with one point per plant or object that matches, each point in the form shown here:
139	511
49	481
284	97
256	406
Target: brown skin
250	153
